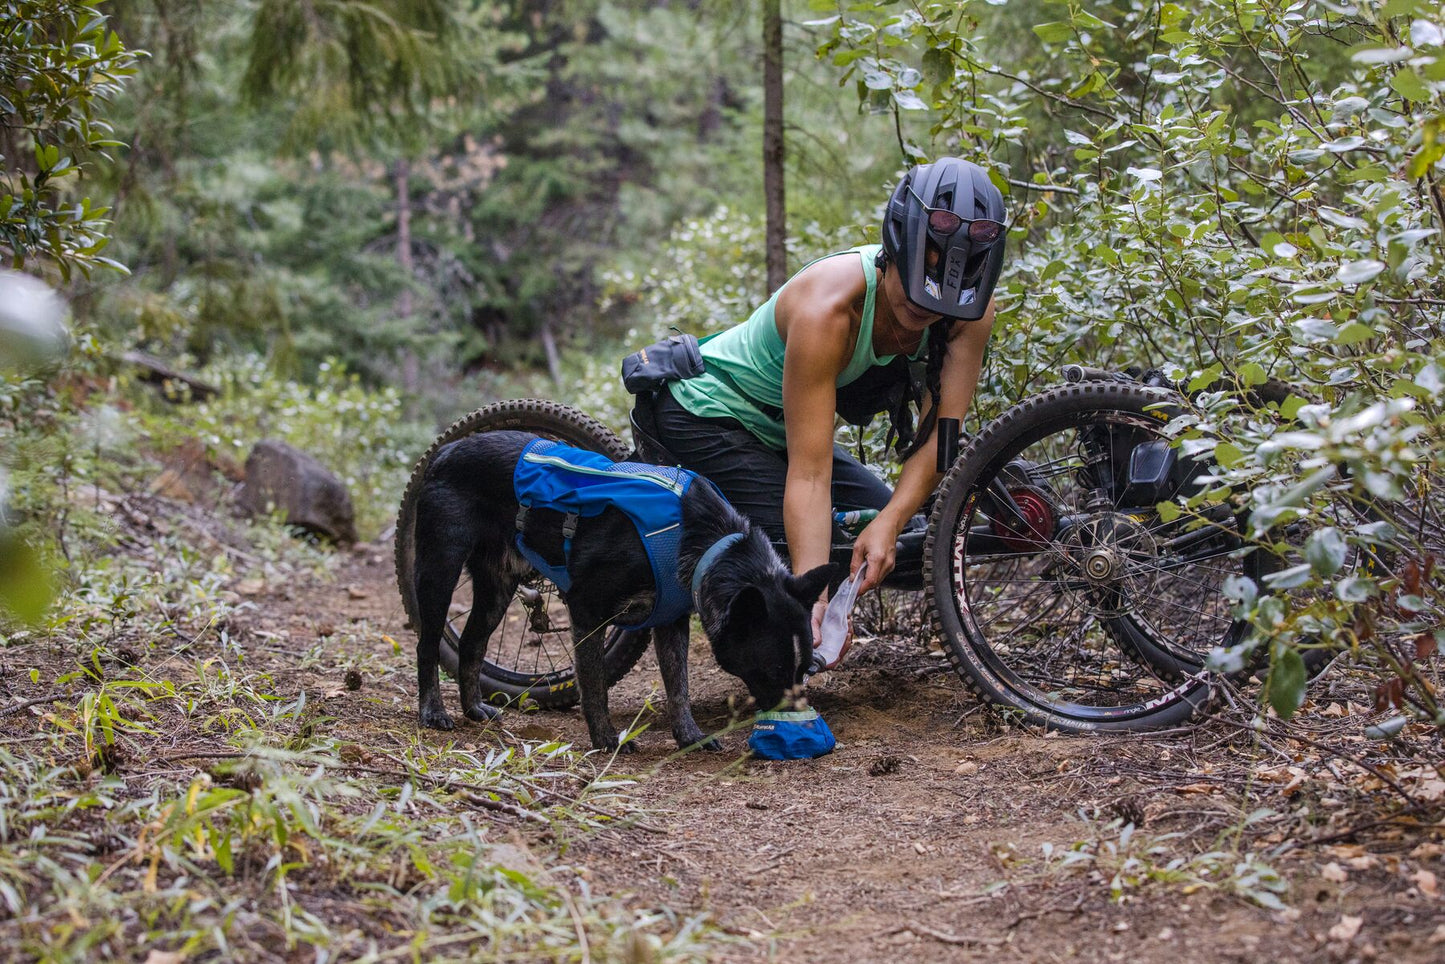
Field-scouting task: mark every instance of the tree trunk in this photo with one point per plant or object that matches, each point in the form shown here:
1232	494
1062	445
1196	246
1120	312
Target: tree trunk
549	345
773	144
401	177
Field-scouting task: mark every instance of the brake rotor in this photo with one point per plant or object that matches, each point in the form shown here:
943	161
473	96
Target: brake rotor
1038	512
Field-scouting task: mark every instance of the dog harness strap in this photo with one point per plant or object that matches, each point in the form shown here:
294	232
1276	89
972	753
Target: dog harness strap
582	484
710	557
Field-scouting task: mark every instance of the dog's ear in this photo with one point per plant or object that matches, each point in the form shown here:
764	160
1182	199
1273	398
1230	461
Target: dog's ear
748	607
807	587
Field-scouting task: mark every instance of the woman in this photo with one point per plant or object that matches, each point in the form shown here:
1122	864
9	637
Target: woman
759	421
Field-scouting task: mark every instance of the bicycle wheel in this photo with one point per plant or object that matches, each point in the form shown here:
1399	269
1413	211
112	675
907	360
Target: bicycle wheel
1058	589
530	653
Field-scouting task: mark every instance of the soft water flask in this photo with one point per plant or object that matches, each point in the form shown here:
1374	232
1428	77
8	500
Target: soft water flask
834	634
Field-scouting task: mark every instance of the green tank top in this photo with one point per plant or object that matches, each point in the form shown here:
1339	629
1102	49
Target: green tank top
744	376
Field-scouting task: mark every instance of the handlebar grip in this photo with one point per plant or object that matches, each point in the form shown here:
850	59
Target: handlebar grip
1073	374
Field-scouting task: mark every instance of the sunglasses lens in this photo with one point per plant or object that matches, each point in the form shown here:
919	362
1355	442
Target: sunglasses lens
984	232
944	222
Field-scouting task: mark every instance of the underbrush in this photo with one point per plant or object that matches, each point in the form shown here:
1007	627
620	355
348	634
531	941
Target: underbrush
176	782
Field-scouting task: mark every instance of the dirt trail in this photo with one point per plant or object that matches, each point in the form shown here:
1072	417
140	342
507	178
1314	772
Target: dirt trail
922	834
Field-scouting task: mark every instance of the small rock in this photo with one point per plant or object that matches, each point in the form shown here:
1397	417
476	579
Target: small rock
1346	929
280	477
356	592
967	768
251	587
325	630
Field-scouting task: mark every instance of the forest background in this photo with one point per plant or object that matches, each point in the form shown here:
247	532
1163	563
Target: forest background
359	220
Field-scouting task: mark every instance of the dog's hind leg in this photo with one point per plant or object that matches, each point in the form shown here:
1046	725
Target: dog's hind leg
436	577
491	596
670	643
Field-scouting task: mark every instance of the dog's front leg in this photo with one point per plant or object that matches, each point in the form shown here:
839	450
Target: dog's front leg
670	643
591	671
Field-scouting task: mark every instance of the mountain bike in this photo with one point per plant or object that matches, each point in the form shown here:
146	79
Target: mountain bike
1055	585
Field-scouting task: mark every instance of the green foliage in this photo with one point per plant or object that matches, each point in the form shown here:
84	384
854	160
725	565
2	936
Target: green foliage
360	69
1234	192
1129	861
59	66
359	433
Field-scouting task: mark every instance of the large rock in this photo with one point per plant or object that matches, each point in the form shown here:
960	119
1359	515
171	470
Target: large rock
282	478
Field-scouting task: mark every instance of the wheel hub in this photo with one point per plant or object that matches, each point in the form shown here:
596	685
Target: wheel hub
1116	557
1100	566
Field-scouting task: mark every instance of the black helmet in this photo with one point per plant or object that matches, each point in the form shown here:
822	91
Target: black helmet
952	208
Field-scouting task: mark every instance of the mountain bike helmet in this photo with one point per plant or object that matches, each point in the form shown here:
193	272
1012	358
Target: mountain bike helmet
944	230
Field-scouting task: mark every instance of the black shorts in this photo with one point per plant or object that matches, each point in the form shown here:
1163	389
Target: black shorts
751	474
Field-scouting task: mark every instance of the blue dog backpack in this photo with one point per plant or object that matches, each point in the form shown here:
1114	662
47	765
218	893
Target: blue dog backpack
581	484
799	735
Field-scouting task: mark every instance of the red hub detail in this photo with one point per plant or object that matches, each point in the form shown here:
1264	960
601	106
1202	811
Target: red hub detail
1039	514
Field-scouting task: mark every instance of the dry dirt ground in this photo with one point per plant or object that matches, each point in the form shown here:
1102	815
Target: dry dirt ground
924	834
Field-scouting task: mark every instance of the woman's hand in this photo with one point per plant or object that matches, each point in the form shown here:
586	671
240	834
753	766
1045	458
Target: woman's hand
878	547
819	608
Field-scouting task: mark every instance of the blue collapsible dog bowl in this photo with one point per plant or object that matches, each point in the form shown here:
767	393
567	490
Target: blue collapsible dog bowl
792	735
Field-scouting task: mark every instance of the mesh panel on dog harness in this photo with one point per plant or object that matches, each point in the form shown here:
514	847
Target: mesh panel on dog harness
581	484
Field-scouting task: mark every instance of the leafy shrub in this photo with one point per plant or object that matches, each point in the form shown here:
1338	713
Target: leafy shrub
1236	192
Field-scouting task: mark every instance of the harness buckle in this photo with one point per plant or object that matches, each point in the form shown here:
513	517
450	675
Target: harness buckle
521	518
569	525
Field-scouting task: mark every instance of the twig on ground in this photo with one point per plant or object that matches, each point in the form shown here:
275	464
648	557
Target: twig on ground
923	930
29	703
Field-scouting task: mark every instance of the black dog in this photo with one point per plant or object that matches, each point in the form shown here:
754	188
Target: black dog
755	612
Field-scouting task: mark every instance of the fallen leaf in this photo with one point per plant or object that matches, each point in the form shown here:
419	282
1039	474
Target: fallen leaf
251	587
326	629
356	592
1439	936
1334	873
1426	783
163	957
1189	788
966	768
1346	929
1428	883
1345	851
1363	863
1427	850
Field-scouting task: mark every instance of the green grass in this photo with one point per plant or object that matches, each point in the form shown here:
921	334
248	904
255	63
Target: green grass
174	781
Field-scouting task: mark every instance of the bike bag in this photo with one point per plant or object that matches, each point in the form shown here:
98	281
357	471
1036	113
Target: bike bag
672	359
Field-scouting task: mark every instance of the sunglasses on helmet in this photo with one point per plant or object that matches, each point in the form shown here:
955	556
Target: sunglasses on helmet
944	222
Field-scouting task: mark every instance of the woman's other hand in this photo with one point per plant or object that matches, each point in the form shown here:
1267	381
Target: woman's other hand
878	547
